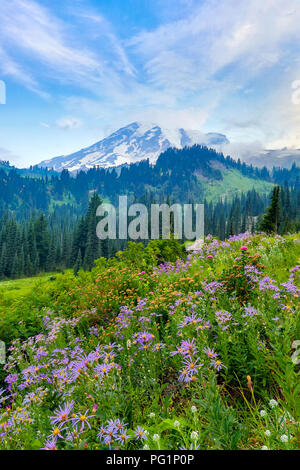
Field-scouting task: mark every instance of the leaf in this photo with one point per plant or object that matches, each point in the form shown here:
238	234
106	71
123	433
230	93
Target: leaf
295	359
169	424
35	445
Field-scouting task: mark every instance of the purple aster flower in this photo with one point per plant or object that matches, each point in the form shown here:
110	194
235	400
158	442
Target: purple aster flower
62	414
210	352
139	433
189	347
56	432
123	436
50	444
116	424
93	330
192	364
218	365
250	312
83	420
102	369
157	347
190	448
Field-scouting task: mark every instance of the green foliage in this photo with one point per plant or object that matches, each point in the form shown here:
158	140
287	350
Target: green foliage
221	427
111	340
156	252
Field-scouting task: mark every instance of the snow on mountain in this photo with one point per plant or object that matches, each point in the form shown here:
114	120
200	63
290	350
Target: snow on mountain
135	142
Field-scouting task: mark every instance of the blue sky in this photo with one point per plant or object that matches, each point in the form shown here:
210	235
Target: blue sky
77	70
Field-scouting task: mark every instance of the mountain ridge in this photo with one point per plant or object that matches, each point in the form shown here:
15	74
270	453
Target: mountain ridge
131	144
142	140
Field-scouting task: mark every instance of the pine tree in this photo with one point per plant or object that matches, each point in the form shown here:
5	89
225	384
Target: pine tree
80	239
51	257
86	239
78	263
3	262
29	271
270	220
15	268
42	240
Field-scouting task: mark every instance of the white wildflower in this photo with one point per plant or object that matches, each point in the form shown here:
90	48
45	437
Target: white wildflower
156	437
273	403
268	433
194	435
193	409
284	438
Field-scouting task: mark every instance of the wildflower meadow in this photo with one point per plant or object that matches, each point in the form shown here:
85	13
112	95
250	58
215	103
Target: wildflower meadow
158	349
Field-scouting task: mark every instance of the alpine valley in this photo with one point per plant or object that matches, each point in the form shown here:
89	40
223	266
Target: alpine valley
143	161
48	217
150	263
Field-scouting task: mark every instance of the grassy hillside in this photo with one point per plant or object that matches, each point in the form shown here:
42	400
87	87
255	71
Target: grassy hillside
148	352
232	184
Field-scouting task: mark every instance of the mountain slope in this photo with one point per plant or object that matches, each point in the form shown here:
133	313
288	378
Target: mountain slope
133	143
234	184
189	174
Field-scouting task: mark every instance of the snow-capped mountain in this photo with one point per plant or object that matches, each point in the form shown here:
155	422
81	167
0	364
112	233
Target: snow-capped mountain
135	142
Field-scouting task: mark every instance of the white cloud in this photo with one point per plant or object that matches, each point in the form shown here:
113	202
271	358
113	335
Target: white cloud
45	124
223	48
56	50
191	71
242	150
10	68
69	123
218	34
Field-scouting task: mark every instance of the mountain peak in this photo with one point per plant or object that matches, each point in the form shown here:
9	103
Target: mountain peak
137	141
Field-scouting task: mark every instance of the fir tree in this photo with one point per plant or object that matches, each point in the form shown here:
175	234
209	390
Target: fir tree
78	263
270	220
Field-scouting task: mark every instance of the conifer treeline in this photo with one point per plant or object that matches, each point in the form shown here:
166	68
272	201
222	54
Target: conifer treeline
51	243
179	173
283	214
33	246
56	242
245	212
